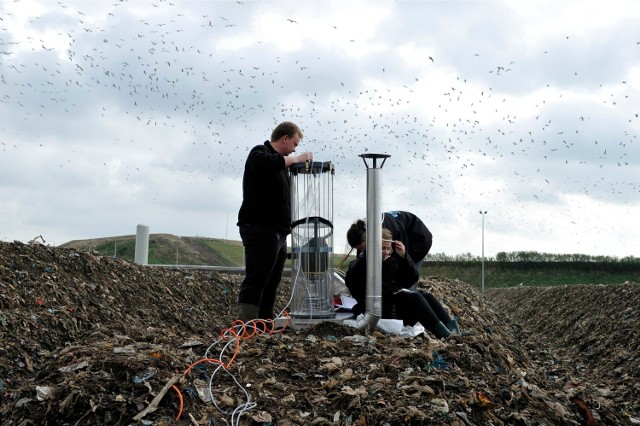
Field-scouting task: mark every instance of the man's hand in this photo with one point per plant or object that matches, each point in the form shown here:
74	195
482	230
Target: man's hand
301	158
304	157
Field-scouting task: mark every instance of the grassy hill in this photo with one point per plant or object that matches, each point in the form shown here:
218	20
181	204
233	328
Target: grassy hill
167	249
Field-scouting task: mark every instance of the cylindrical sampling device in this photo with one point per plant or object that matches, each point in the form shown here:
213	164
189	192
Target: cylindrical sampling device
373	301
312	240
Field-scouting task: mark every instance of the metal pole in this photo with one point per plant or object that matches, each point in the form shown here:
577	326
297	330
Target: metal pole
482	213
177	247
374	245
373	299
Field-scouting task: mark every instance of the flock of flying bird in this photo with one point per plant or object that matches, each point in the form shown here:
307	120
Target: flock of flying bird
204	89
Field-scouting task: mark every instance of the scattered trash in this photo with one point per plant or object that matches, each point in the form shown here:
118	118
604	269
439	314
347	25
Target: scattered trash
128	341
44	392
148	373
439	362
74	367
191	343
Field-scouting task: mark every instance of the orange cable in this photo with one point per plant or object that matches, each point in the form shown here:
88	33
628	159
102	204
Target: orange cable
175	388
213	360
268	327
235	353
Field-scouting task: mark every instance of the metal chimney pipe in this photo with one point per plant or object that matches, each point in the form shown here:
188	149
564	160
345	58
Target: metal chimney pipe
373	301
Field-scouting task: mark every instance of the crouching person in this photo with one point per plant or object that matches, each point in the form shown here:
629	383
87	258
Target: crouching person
398	302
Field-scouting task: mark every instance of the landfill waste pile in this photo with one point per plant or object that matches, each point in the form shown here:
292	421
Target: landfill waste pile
91	340
585	337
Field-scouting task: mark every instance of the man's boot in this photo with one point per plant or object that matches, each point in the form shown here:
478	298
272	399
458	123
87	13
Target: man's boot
441	331
247	312
266	312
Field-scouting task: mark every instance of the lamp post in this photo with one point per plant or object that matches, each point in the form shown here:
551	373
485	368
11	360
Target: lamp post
177	247
482	213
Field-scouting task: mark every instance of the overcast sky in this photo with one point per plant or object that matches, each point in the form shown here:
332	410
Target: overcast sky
119	113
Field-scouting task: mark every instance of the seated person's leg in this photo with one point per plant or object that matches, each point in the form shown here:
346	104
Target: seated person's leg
413	307
437	307
441	312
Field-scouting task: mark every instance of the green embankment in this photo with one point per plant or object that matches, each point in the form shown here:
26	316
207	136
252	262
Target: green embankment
231	251
170	250
509	274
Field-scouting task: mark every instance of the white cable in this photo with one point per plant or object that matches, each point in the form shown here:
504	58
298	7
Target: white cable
248	405
310	200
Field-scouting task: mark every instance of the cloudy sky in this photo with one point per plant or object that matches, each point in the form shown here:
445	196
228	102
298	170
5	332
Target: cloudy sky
119	113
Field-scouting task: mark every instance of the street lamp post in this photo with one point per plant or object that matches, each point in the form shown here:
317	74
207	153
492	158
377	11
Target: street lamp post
177	247
482	213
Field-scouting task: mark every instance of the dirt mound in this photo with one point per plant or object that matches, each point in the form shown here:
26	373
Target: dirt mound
586	337
92	340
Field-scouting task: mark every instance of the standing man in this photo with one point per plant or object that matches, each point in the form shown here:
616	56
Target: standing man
265	219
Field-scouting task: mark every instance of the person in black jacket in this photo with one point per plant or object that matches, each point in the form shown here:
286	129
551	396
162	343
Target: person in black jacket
406	227
398	302
264	219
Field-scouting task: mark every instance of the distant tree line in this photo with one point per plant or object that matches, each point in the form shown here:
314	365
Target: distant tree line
532	256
